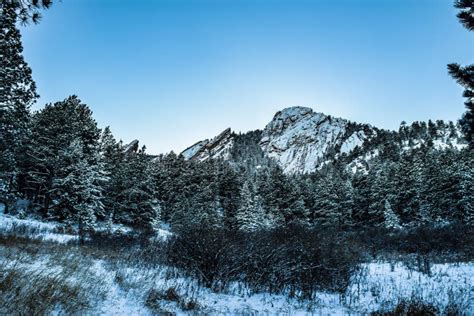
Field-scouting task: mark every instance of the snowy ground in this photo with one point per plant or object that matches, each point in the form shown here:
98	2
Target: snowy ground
380	285
33	229
120	287
56	232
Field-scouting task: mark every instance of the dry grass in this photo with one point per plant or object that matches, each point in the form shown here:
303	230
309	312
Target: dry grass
39	278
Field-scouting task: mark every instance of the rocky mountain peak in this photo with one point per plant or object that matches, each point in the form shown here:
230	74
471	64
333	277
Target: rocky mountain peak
219	146
288	117
301	140
132	147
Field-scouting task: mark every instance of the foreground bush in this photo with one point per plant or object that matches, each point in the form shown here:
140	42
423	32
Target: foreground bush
294	259
455	240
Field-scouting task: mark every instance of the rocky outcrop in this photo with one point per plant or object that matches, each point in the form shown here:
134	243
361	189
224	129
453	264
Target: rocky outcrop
302	140
218	147
132	147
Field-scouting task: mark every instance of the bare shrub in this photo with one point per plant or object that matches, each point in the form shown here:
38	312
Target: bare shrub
294	259
410	307
51	279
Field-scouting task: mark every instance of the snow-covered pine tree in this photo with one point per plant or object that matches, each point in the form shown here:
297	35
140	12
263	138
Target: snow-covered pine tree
78	187
428	187
465	75
380	176
17	94
361	197
296	211
391	219
137	204
406	179
169	180
112	156
54	128
250	216
466	188
307	193
444	180
333	201
207	210
229	186
282	197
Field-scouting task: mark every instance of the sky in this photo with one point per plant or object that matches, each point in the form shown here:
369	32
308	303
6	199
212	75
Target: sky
173	72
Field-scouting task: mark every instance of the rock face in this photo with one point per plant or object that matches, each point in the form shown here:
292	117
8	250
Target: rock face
298	138
218	147
302	141
132	147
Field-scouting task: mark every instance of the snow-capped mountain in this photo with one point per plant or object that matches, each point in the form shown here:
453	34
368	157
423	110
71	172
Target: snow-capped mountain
301	140
219	146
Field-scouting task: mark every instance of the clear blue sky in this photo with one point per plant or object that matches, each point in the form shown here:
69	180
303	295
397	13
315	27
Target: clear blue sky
170	73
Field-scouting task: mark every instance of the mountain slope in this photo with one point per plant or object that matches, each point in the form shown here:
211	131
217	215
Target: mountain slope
302	141
218	147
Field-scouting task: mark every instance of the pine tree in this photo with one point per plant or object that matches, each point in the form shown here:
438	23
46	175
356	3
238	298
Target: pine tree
112	157
380	177
250	215
296	211
447	188
406	180
466	188
466	13
428	184
333	201
77	188
170	182
391	219
55	128
137	203
361	198
17	94
282	197
207	210
27	10
229	187
465	75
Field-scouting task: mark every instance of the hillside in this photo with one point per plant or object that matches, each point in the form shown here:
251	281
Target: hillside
300	140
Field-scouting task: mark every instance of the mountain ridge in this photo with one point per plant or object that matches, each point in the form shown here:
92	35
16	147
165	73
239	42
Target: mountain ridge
302	140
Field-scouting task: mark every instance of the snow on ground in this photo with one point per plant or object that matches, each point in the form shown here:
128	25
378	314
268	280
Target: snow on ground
136	284
34	229
378	287
381	285
53	231
117	301
127	287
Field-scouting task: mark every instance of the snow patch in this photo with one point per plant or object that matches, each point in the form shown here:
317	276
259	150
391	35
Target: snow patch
34	229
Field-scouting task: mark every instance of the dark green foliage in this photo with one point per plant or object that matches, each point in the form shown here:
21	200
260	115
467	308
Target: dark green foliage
247	152
466	13
112	157
56	128
332	201
135	203
17	94
27	10
229	187
464	75
71	170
